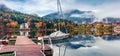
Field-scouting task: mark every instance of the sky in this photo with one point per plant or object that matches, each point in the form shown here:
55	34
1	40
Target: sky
101	8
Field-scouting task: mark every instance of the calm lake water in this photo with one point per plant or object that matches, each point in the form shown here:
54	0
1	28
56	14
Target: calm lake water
83	45
87	45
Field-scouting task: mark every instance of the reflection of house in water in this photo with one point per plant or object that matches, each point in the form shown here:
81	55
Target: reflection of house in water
117	29
24	29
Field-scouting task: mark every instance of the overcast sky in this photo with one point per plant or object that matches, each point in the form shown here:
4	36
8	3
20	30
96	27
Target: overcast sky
102	8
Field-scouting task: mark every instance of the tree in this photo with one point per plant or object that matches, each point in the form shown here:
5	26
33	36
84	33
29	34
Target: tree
14	24
40	24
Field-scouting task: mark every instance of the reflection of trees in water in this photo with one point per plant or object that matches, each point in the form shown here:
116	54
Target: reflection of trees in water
72	28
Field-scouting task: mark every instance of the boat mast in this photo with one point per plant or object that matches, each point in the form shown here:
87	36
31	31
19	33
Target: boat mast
60	13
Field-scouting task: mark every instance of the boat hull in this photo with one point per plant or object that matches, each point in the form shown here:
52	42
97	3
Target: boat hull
55	38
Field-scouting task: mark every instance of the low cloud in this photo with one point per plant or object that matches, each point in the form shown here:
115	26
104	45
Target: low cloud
32	6
108	9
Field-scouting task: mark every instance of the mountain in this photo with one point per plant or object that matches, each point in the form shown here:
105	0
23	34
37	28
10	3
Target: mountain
74	15
111	20
5	12
4	8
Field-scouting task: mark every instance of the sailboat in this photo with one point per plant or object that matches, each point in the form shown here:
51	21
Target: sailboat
57	34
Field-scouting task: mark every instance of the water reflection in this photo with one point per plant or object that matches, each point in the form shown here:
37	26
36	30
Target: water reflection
83	45
81	41
85	40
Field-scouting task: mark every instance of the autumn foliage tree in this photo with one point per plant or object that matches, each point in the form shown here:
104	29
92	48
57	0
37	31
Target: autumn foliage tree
40	24
14	24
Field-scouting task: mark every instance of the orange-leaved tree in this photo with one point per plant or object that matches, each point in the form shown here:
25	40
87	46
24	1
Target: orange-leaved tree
14	24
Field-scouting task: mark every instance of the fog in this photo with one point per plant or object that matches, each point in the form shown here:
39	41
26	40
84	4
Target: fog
101	10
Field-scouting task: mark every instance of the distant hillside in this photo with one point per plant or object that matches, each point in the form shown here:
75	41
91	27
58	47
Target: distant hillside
17	16
74	15
81	16
4	8
111	20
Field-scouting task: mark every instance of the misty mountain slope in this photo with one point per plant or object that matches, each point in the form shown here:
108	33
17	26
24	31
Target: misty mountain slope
4	8
111	20
74	15
16	15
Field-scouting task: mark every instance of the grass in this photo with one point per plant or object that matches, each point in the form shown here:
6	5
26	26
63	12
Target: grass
7	54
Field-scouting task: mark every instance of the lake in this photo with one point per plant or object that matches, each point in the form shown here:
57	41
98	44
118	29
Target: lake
82	45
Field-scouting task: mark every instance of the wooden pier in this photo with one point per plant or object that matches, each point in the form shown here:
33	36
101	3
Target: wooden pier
25	47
